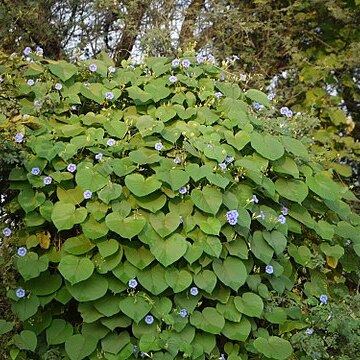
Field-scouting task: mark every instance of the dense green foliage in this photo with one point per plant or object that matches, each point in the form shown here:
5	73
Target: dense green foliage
167	213
307	50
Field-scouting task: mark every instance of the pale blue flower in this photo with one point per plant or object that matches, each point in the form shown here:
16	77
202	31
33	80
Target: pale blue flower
47	180
181	220
58	86
211	58
309	331
175	63
71	168
30	82
284	110
229	159
218	94
284	211
257	106
183	190
323	299
235	57
111	142
289	113
177	160
185	63
20	293
27	51
222	166
37	103
111	69
269	269
281	219
232	217
39	51
183	313
149	319
133	283
99	156
271	96
92	67
87	194
35	171
194	291
134	349
158	146
19	137
173	78
6	232
109	95
262	215
22	251
255	199
200	59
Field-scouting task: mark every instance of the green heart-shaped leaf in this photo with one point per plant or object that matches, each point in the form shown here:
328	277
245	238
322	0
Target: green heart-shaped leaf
94	229
210	226
209	320
175	178
206	280
110	192
135	307
58	332
88	179
125	227
75	269
79	347
153	279
29	200
267	146
274	347
178	280
90	289
197	172
208	199
26	307
250	304
140	186
163	224
170	250
231	272
140	257
26	340
294	190
62	69
31	265
238	331
65	216
153	202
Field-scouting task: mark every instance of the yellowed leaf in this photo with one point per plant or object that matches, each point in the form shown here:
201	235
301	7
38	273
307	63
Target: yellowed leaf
44	239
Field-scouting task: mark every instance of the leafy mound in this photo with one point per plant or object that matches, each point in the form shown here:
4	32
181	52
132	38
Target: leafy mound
164	216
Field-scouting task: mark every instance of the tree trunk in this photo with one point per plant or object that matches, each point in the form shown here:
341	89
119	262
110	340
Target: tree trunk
188	27
131	30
